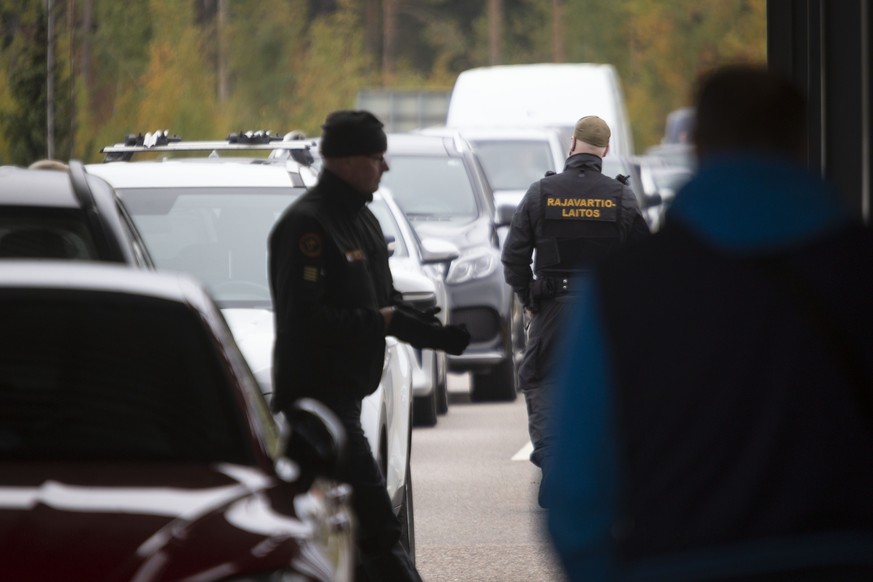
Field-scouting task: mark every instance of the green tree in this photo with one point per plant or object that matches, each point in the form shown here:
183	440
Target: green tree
24	118
118	41
173	88
659	48
334	66
202	68
672	42
265	41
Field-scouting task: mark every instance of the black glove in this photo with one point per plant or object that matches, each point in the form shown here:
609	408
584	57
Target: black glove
427	315
414	329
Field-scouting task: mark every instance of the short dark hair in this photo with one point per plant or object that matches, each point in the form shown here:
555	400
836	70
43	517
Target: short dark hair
748	107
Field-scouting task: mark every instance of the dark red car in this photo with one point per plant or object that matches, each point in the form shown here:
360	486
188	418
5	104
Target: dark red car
135	443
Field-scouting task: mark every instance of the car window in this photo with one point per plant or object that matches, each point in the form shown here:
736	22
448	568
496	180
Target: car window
218	236
514	165
431	187
46	234
389	225
111	377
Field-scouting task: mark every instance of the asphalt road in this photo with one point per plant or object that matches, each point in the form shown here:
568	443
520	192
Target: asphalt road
474	493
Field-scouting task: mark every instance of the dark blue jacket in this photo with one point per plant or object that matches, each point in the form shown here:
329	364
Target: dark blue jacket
723	426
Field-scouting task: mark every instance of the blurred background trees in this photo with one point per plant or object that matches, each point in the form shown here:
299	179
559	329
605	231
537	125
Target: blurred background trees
205	68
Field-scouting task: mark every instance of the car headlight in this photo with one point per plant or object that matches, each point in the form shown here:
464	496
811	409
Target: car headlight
327	507
476	265
328	550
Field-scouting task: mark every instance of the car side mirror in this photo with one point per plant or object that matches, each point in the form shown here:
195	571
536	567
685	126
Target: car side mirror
505	212
317	440
391	243
434	250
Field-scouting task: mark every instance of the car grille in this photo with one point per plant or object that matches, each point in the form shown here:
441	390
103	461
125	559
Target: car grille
482	323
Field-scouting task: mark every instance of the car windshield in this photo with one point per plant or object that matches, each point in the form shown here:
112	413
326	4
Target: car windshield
87	376
514	165
218	236
431	188
45	234
389	225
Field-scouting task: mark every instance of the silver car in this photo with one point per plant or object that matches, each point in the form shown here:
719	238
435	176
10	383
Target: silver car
440	185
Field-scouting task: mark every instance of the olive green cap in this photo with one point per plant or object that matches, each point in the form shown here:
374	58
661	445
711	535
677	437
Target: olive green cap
592	130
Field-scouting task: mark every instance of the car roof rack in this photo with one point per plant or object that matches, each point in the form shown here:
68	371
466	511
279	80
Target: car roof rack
295	143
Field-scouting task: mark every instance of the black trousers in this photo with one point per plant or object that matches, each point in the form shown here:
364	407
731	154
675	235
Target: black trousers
382	556
535	373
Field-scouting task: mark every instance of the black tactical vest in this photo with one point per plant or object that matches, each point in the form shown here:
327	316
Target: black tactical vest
580	216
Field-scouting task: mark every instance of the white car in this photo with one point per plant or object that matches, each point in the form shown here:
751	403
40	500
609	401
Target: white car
211	218
418	268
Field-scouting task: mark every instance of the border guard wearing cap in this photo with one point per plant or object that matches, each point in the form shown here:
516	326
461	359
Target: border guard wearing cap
572	220
334	303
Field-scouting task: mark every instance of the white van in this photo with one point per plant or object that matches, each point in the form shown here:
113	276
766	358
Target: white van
544	95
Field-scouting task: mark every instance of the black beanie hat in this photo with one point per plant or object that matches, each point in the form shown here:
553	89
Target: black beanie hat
352	133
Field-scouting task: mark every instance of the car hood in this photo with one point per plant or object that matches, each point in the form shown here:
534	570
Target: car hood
464	236
124	521
254	332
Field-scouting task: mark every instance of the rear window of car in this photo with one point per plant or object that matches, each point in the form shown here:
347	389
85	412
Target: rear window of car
431	187
87	376
514	165
218	235
45	234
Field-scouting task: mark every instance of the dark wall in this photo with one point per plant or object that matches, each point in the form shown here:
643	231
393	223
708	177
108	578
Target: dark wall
825	47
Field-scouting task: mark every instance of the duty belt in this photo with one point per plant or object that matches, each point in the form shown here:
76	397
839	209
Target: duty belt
548	287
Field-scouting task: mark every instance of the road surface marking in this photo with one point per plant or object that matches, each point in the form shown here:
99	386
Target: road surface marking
523	453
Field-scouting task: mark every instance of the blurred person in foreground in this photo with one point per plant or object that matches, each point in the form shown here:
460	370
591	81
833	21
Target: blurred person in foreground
722	427
572	220
335	302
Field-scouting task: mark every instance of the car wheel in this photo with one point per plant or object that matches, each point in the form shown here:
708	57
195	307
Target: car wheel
424	409
407	515
442	383
497	385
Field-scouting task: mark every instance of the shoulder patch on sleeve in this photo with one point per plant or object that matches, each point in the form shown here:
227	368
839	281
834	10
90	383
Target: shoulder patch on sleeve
310	274
310	244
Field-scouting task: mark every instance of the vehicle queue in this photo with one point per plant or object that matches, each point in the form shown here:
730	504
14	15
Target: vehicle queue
208	218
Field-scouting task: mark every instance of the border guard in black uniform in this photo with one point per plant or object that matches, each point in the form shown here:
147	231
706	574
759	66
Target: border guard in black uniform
572	220
335	302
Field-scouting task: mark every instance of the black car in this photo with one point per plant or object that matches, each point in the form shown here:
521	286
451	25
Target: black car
65	214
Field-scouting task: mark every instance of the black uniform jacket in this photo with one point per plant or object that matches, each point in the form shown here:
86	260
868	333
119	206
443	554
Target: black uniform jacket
329	276
572	219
